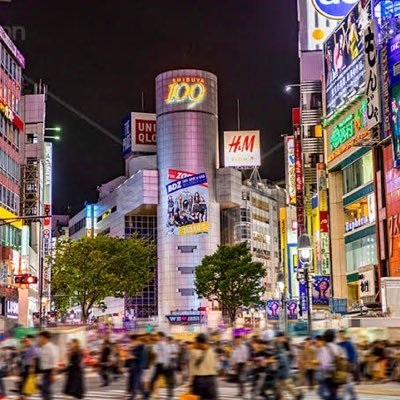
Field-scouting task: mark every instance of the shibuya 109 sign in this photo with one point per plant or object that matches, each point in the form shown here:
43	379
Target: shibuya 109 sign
334	9
189	90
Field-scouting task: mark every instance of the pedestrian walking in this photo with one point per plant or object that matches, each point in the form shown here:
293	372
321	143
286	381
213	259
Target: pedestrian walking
284	381
203	369
105	363
162	353
350	352
47	364
309	362
136	364
240	356
29	362
333	366
2	375
115	360
74	382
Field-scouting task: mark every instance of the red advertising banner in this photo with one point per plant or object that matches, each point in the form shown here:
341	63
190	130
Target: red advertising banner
176	175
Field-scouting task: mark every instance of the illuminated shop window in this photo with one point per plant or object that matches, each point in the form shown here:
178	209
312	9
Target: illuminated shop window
360	213
361	252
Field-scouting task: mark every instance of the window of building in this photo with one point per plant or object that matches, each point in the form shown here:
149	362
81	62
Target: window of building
358	173
361	252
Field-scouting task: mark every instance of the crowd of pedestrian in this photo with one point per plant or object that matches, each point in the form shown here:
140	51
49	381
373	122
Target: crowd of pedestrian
260	367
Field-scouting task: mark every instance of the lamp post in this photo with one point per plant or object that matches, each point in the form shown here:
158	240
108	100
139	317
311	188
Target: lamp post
304	247
281	284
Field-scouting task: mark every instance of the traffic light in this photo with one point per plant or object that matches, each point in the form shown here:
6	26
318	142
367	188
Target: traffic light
203	309
25	279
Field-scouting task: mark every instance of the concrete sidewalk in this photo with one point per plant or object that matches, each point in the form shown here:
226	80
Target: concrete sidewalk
385	389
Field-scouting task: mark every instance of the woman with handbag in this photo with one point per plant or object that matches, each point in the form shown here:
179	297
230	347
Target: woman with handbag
74	386
203	370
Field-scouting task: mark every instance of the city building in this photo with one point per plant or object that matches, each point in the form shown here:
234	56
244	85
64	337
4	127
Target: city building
11	140
175	193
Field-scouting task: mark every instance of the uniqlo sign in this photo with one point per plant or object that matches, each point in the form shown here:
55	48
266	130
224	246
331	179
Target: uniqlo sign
139	134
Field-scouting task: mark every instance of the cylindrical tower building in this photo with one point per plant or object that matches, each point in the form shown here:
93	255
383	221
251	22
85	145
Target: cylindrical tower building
188	213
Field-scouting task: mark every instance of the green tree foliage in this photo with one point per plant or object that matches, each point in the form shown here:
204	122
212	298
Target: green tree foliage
90	269
231	277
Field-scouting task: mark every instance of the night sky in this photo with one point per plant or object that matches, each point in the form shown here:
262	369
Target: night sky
98	56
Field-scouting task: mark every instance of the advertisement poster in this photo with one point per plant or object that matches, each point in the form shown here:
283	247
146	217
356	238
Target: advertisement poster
299	182
242	149
291	309
321	290
344	60
371	77
273	308
290	169
187	206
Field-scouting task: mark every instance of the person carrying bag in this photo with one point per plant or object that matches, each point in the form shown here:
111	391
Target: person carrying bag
203	370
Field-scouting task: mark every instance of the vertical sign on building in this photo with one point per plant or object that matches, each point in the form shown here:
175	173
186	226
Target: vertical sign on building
371	77
324	266
47	202
290	169
284	240
298	156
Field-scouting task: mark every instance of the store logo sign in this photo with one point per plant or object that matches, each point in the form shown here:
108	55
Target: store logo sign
334	9
12	309
186	90
357	223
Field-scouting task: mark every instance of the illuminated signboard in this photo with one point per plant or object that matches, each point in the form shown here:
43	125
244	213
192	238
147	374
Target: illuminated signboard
190	90
11	46
344	68
333	9
349	127
242	149
290	170
11	116
139	134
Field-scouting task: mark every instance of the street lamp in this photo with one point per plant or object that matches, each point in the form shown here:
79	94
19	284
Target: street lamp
304	247
55	129
281	284
289	87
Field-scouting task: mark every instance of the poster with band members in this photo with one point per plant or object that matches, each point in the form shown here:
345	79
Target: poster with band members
273	308
321	290
187	204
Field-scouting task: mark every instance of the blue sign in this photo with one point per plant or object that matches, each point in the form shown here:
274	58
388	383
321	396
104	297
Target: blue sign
339	306
193	180
390	8
303	297
321	290
291	309
334	9
127	136
273	308
394	60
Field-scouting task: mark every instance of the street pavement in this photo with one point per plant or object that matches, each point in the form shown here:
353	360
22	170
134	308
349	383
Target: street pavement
116	391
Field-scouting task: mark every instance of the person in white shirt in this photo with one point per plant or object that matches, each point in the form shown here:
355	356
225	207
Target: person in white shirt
240	356
47	364
163	353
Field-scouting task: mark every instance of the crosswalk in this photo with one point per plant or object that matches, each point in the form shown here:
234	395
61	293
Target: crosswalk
225	393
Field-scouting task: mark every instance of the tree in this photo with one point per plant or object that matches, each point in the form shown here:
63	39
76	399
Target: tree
90	269
231	277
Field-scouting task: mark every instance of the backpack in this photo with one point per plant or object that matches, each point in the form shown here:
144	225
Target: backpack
341	368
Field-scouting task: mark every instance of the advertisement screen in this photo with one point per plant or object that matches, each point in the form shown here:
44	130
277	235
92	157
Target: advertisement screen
344	60
273	308
242	149
321	290
187	206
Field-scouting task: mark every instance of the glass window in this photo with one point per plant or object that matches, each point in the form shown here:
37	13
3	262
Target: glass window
358	173
361	252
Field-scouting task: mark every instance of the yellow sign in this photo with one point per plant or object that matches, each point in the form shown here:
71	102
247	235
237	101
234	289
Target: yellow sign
284	240
192	229
186	90
7	216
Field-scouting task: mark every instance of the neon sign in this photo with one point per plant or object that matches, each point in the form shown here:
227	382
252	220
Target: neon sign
347	128
10	115
186	90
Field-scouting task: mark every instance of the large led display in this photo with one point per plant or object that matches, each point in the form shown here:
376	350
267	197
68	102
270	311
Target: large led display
344	60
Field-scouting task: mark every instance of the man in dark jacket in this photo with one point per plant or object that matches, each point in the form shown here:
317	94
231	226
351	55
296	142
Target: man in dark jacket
136	365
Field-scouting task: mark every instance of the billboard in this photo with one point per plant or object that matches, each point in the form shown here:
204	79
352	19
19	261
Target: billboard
139	133
273	309
242	149
333	9
299	182
187	205
344	69
321	290
290	169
